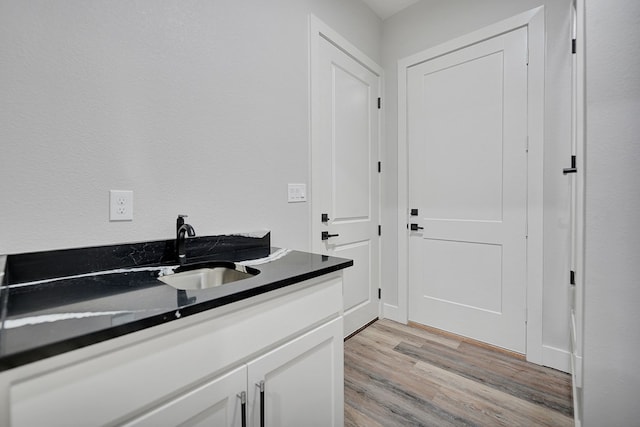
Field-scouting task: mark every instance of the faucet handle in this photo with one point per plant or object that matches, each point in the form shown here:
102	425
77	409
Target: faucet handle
180	220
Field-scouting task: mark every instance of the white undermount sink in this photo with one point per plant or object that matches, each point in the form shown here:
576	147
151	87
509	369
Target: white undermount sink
207	275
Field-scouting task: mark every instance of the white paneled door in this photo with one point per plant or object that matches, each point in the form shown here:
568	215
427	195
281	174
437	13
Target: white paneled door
345	213
467	147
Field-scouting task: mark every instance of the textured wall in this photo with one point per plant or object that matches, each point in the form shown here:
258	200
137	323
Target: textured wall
612	289
199	107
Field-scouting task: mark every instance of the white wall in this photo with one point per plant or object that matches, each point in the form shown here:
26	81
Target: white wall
199	107
431	22
612	225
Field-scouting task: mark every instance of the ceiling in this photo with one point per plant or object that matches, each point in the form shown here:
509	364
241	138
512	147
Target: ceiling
386	8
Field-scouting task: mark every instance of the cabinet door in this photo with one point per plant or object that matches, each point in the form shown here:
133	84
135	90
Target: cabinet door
215	403
302	379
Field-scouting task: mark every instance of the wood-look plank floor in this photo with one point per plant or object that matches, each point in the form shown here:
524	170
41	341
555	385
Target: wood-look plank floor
397	375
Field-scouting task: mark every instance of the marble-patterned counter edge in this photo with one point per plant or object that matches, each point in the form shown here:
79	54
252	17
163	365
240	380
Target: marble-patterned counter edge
3	264
277	281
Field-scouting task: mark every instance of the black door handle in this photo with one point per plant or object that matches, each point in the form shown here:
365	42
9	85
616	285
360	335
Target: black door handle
416	227
260	385
243	409
326	235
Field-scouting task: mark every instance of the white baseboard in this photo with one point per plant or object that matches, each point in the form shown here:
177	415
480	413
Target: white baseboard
556	358
393	312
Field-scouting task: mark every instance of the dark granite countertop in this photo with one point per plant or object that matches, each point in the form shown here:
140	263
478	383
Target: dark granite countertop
45	314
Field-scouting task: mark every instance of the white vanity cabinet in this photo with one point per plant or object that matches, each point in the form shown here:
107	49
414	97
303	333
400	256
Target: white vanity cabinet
190	371
302	381
292	385
214	404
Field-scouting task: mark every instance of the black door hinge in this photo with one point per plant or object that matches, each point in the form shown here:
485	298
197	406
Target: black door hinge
379	293
379	103
379	167
573	46
572	277
573	168
379	230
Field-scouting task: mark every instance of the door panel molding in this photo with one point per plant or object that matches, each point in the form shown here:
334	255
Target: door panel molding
344	179
533	20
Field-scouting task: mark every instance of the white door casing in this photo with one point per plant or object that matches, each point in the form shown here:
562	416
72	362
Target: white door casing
577	182
467	130
345	86
533	22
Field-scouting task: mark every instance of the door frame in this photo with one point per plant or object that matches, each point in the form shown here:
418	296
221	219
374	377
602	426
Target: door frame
578	127
319	30
533	20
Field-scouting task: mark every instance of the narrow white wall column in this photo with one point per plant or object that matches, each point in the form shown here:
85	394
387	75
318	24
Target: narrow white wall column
611	383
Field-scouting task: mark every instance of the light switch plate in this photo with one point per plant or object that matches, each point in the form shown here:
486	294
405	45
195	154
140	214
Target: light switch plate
297	193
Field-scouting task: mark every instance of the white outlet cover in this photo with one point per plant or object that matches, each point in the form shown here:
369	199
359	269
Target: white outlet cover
120	205
297	193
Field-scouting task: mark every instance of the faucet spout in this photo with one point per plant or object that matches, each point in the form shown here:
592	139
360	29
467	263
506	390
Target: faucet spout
182	231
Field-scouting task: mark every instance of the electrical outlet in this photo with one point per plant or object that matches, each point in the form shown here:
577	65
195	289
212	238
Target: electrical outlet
120	205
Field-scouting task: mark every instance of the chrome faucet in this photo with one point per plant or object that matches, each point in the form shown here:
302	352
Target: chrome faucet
182	231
